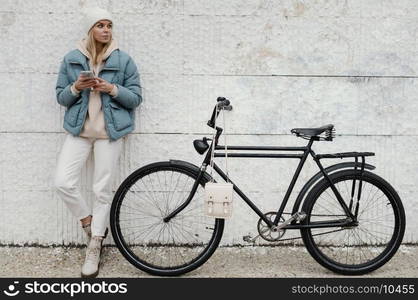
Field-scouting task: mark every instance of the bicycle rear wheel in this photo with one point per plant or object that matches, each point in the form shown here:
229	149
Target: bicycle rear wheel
144	239
362	248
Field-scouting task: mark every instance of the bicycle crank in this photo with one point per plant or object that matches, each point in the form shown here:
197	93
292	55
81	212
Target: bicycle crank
298	216
275	233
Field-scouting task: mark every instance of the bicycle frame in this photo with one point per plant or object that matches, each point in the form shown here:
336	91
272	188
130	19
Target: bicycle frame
307	150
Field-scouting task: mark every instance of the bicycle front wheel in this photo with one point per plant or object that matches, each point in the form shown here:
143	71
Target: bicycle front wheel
163	248
361	248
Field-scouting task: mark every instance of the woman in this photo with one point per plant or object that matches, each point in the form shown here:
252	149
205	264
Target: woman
100	111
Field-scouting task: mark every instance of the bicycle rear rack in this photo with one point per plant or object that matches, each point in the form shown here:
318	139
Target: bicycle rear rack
356	156
342	155
345	155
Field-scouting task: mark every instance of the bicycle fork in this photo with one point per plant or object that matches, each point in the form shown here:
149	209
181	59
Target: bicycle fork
191	195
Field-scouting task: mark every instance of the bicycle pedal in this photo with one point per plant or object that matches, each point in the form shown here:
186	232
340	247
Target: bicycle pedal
249	238
300	216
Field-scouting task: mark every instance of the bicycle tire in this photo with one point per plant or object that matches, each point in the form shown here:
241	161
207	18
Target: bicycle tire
322	251
132	251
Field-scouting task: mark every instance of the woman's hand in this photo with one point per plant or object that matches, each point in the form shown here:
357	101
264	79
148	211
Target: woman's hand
84	82
103	86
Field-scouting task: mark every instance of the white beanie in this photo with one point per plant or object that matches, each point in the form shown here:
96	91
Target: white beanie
91	15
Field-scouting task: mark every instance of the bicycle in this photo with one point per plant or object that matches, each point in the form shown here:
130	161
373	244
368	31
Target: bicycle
351	220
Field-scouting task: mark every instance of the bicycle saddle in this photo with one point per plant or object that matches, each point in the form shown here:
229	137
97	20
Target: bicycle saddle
311	131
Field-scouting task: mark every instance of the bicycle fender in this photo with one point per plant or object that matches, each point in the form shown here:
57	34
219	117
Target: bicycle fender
190	166
314	179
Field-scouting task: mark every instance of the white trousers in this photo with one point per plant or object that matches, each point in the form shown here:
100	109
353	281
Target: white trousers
72	158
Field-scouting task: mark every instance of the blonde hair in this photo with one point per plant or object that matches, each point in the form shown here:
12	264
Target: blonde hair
91	48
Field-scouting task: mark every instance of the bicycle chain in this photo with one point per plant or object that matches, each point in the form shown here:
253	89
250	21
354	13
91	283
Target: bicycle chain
247	238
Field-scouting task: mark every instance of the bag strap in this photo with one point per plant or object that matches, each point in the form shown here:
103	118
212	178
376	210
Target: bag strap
226	147
212	156
213	145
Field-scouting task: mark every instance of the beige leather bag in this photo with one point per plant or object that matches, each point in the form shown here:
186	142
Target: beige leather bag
218	199
218	196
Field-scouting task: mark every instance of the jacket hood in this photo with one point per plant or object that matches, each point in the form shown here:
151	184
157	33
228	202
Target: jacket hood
82	46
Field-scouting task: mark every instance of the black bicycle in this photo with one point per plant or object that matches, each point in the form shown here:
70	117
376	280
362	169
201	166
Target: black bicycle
351	220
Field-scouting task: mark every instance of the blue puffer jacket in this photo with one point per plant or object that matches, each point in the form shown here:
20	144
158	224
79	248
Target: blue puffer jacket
119	112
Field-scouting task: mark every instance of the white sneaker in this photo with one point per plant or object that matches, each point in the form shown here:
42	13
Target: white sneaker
91	263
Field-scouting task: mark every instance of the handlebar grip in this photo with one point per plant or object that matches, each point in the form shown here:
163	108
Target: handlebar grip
222	101
228	107
226	102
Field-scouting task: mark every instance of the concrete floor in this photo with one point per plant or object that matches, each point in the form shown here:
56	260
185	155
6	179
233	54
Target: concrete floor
283	261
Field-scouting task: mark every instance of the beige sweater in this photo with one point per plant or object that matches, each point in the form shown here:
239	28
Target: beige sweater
94	126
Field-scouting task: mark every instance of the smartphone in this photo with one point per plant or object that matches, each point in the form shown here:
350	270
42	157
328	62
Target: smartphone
88	74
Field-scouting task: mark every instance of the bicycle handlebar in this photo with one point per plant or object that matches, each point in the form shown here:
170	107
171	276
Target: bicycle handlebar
223	103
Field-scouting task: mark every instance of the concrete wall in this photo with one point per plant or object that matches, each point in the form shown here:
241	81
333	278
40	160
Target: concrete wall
283	64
